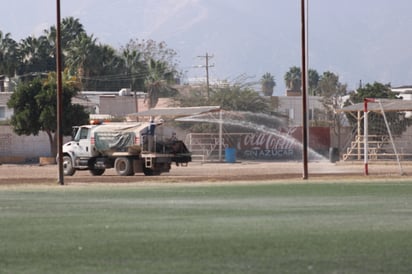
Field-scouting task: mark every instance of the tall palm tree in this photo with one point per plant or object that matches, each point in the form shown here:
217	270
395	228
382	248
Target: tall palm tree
70	29
268	83
8	54
158	79
313	81
293	79
135	67
80	56
36	55
106	68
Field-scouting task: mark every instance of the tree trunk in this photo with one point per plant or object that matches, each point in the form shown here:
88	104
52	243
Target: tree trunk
53	143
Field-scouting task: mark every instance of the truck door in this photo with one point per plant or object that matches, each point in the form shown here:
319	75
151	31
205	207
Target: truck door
83	144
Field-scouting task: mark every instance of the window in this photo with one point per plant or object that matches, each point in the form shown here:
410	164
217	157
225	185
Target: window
83	133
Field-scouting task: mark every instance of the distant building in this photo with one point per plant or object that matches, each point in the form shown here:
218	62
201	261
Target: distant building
291	107
404	91
5	112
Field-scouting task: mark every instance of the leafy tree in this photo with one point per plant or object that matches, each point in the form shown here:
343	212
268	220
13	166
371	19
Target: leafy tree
139	56
331	91
381	91
152	50
238	99
268	83
231	98
35	110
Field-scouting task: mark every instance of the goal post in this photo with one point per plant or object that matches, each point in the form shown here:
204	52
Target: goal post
366	133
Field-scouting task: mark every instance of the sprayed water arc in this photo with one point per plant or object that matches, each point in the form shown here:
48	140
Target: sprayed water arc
269	124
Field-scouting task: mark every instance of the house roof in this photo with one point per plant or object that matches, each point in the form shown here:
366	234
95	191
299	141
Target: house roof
388	105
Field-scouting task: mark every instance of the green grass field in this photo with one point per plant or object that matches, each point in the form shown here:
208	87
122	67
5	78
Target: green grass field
268	228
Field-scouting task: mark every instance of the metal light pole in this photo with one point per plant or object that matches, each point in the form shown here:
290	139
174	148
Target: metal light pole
304	92
59	130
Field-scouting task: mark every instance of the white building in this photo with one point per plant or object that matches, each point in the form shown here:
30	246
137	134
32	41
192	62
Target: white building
291	106
5	112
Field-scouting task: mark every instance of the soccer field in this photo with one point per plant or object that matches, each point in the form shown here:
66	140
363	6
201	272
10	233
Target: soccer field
360	227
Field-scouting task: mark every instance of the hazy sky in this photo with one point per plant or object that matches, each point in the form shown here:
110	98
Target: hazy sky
366	40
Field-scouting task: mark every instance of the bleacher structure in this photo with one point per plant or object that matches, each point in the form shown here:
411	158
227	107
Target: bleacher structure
206	147
384	146
379	148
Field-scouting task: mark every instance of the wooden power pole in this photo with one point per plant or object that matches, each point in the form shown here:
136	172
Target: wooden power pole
207	66
59	131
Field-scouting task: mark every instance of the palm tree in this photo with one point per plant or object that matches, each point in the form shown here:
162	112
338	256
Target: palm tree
80	56
106	69
268	83
70	29
158	79
135	67
293	79
313	77
37	55
8	54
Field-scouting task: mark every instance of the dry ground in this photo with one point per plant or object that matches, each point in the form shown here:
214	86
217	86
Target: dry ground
212	172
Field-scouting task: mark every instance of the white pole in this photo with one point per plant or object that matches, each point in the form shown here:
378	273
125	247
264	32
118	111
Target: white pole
365	135
391	138
220	135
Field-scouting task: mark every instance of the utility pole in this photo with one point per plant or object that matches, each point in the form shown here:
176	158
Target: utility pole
304	92
207	66
59	131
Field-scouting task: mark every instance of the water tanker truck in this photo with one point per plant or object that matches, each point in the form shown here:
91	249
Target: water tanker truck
140	147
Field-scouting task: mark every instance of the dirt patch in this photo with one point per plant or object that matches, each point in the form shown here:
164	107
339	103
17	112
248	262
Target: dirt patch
210	172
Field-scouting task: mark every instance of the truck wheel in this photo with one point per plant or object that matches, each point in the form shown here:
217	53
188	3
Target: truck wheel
96	172
68	169
123	166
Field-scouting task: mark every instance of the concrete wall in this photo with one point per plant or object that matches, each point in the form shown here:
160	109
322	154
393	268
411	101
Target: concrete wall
17	149
117	105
